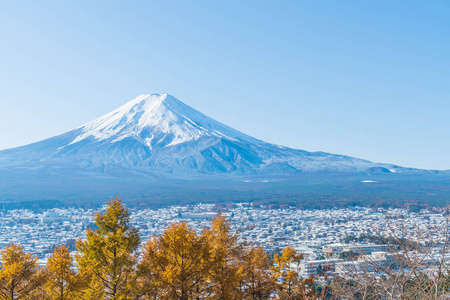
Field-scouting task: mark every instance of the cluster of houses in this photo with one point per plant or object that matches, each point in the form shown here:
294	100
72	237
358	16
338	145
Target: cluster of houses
330	240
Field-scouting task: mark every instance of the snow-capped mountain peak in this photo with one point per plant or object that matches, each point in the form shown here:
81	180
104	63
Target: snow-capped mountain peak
157	140
156	120
157	133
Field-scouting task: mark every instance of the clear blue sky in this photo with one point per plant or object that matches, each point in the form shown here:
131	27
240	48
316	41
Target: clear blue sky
369	79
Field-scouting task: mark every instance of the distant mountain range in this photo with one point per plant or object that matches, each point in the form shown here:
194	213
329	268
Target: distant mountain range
155	147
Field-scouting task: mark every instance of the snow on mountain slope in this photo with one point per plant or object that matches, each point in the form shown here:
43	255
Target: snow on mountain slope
160	134
157	120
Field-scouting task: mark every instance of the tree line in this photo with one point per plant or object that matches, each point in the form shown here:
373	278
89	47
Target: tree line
182	264
178	264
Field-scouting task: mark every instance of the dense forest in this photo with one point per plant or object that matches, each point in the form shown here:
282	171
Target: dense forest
184	264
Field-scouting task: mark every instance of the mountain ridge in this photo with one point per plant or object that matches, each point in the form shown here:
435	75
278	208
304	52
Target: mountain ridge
159	123
157	139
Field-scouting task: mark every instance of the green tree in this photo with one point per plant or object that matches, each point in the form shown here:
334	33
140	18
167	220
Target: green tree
107	257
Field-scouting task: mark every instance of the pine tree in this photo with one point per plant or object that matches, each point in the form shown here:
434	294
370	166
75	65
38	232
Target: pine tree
62	281
225	270
178	264
20	275
258	281
107	257
286	268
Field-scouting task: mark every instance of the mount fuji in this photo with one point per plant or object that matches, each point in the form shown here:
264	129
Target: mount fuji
155	145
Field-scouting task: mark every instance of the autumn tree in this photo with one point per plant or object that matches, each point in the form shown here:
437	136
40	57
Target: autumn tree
107	257
258	282
176	264
225	271
286	268
20	275
62	281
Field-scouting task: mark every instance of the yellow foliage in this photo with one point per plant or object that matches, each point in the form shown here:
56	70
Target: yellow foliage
20	275
258	282
107	257
178	262
286	268
225	270
62	280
